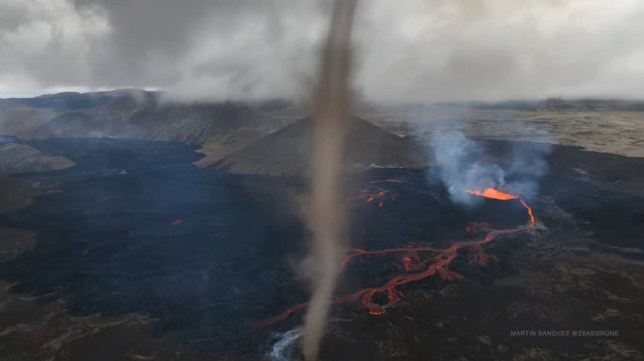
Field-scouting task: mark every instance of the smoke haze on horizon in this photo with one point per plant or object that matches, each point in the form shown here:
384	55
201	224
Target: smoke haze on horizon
417	50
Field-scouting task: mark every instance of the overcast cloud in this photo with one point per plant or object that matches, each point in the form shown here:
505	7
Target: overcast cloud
430	50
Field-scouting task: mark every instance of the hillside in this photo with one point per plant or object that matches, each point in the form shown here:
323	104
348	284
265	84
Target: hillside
135	114
288	151
21	158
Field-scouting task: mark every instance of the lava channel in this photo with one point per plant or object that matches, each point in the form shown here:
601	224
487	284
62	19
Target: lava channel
419	262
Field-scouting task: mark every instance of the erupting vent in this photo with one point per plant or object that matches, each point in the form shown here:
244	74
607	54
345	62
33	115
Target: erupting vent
496	194
493	194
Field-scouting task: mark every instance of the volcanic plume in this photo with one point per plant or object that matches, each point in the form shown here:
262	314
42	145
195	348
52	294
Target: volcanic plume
464	164
331	113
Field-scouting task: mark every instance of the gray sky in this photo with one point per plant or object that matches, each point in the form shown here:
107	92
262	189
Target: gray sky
429	50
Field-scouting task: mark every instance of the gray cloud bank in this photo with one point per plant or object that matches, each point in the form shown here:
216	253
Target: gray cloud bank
417	50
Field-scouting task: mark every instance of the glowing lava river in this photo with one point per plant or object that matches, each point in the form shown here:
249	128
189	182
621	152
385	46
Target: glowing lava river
418	262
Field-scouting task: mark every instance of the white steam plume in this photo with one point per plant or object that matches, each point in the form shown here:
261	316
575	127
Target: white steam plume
463	163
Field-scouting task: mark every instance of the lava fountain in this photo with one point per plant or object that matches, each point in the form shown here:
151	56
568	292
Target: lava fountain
493	193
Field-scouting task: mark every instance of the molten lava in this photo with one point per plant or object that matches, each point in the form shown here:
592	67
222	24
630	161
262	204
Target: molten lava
418	262
376	195
493	194
530	213
377	311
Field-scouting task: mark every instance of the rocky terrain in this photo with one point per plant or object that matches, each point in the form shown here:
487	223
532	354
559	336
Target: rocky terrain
250	138
19	159
219	128
228	130
15	192
575	290
22	158
288	151
114	246
140	265
21	120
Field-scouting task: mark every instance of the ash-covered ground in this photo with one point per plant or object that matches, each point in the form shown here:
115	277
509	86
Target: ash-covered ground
137	254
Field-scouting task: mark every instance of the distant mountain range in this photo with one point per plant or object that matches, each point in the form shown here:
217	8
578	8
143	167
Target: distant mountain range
134	114
555	104
219	128
251	137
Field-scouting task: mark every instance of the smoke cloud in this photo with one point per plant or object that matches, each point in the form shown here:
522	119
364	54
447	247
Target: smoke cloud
459	166
425	50
463	163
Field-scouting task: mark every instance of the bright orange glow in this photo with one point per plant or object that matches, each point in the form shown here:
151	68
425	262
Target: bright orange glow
492	193
376	195
530	213
377	311
499	195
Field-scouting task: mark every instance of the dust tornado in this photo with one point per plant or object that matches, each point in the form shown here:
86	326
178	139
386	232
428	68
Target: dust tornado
332	104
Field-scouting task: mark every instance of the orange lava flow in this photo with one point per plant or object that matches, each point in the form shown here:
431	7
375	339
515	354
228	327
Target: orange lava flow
376	195
530	212
418	263
492	193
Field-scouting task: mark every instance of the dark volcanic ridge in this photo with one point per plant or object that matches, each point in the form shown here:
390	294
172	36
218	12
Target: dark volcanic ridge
192	124
134	114
248	138
288	151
